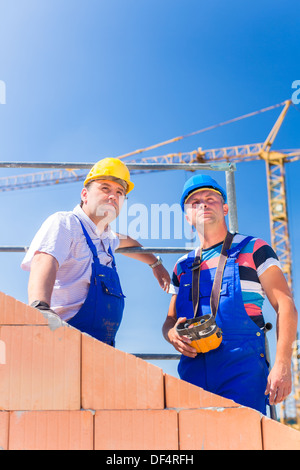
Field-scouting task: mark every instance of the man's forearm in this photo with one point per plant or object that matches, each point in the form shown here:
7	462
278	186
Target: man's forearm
286	333
169	323
42	278
128	242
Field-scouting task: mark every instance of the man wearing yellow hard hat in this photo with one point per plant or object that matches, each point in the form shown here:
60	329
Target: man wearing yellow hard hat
71	258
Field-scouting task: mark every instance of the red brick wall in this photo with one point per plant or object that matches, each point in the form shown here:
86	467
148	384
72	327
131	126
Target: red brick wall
60	389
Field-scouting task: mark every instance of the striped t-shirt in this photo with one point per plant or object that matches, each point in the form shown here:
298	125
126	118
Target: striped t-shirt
253	260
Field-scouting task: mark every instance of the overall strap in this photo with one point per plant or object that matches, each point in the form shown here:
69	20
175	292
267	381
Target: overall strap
216	289
113	258
92	246
235	251
196	280
88	239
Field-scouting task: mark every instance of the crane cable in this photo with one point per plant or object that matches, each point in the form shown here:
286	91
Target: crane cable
176	139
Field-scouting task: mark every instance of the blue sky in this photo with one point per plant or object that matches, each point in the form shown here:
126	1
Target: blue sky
94	79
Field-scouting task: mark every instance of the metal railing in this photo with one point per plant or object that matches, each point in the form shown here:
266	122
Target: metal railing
229	169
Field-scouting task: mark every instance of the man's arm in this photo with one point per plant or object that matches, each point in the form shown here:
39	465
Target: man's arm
159	271
42	277
280	297
128	242
180	343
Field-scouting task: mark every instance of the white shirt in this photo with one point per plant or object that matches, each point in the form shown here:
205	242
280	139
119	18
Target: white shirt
62	237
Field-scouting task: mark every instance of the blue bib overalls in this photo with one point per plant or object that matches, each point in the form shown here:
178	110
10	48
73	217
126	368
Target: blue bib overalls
237	369
101	314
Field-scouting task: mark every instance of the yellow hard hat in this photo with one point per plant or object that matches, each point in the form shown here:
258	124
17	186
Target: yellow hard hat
112	168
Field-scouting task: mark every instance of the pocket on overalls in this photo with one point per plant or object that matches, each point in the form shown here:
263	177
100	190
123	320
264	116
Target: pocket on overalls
112	306
184	306
112	289
205	293
252	352
206	287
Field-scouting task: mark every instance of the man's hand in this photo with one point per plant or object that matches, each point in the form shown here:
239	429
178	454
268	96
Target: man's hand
181	343
279	384
159	271
162	276
43	307
54	320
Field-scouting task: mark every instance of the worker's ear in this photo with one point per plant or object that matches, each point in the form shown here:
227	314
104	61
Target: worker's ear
225	209
84	192
188	219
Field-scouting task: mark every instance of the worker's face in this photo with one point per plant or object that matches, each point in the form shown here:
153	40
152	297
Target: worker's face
204	208
103	199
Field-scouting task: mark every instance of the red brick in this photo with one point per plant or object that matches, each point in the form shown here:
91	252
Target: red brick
13	312
42	370
4	423
136	430
51	430
220	429
112	379
181	394
277	436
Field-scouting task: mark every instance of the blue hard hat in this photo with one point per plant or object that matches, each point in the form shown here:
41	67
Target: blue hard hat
198	182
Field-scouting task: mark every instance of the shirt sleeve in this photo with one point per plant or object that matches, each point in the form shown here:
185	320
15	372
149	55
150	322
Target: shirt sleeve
54	238
114	241
264	257
174	285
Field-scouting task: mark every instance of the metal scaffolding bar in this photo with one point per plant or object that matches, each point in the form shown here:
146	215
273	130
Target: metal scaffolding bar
158	357
131	166
134	249
227	167
231	197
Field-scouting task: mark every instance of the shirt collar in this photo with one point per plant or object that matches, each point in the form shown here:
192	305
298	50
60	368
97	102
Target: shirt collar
93	227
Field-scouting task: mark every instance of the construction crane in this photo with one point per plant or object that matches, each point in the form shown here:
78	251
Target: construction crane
276	183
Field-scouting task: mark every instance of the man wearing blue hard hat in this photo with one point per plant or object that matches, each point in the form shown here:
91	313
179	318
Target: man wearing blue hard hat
215	315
